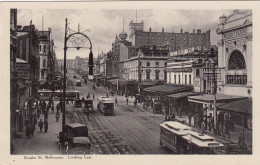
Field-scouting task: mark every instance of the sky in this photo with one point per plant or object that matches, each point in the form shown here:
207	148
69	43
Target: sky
104	24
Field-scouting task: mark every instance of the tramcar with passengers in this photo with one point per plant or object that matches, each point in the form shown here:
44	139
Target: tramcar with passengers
171	135
182	139
106	106
45	94
198	143
70	94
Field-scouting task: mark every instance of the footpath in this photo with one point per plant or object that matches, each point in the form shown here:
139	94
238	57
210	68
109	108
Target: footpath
41	143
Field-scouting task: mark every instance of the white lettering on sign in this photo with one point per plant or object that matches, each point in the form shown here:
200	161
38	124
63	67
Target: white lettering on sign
235	33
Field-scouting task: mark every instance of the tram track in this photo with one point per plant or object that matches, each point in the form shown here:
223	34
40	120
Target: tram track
139	140
148	135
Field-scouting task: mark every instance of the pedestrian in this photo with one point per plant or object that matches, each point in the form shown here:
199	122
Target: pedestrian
35	119
38	113
40	124
189	116
210	125
28	130
116	101
172	117
88	112
45	125
126	101
135	102
57	116
32	129
48	109
203	127
58	107
107	94
45	115
52	109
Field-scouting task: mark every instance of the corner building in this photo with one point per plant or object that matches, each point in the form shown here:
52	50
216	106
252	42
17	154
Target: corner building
235	53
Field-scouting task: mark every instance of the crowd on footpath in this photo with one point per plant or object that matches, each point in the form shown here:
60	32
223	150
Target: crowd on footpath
42	108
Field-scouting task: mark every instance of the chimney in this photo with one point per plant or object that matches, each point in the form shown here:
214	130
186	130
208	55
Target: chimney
181	30
150	29
194	31
163	29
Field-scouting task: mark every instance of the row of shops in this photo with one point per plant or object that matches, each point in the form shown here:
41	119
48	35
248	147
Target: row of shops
181	100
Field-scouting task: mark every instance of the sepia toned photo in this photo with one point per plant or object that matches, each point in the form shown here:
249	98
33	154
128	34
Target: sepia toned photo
130	82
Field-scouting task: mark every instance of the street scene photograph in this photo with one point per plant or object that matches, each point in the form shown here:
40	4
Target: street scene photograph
130	81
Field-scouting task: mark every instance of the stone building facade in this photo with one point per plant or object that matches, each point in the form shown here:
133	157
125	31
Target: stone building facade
235	53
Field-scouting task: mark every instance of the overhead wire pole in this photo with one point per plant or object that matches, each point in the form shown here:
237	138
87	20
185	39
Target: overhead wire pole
64	78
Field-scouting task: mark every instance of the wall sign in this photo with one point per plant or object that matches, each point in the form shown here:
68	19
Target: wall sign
235	33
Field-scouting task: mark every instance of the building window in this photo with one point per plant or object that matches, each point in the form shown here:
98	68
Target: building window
40	47
185	79
190	79
175	79
44	48
157	64
157	74
165	75
179	79
148	74
236	79
148	64
236	61
165	64
197	72
44	63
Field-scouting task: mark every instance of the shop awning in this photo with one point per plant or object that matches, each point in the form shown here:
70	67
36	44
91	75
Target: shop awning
119	81
238	107
182	94
167	89
220	98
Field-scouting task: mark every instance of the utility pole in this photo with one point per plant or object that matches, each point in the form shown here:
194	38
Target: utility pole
214	94
64	79
139	73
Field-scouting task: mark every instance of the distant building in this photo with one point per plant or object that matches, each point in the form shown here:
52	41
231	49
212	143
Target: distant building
185	67
176	41
44	51
152	66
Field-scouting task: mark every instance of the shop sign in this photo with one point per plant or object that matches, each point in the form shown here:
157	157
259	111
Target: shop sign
179	69
235	33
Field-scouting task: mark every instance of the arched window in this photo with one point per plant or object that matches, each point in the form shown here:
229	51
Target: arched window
236	61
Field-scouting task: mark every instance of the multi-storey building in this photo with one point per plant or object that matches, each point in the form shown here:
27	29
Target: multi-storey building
14	87
176	41
44	51
185	67
148	63
28	66
235	53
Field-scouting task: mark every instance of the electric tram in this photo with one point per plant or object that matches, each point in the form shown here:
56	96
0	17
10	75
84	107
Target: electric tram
182	139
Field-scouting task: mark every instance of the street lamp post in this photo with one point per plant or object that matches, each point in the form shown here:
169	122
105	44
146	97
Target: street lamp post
77	39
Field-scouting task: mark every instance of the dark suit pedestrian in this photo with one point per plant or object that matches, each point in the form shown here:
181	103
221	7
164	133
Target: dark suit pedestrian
40	124
45	125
